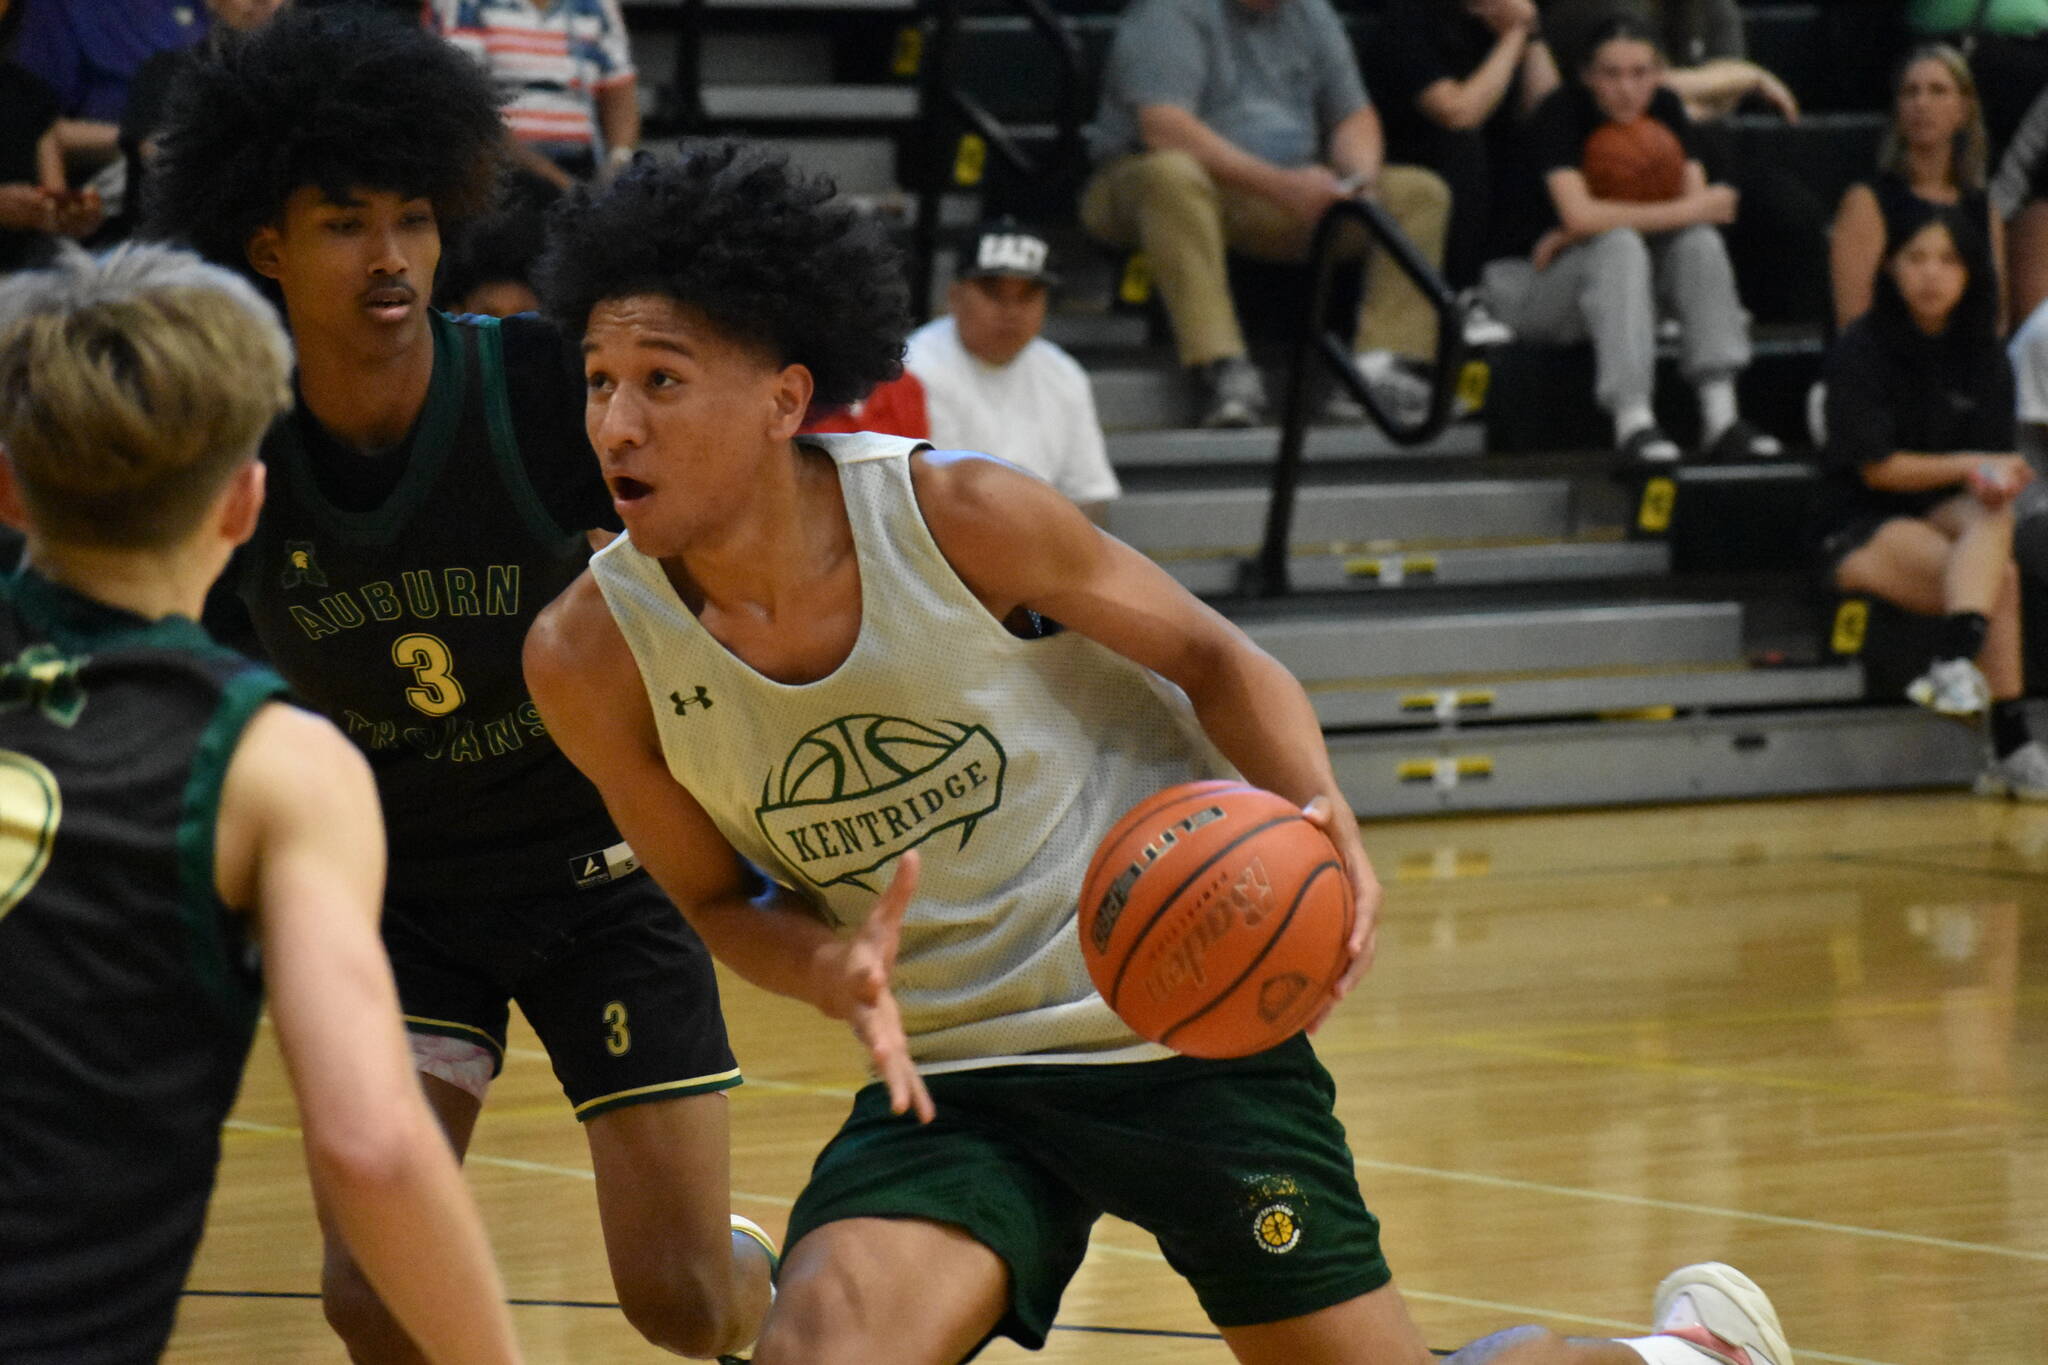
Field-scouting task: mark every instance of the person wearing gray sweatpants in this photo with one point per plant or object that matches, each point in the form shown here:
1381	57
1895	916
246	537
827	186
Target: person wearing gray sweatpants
1610	265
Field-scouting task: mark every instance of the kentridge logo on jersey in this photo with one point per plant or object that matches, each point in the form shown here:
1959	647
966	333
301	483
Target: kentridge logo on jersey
861	790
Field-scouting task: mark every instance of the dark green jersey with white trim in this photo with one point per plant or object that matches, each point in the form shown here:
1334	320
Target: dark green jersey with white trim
402	619
128	992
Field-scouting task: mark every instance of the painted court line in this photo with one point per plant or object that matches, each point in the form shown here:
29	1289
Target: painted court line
510	1163
1501	1182
1514	1312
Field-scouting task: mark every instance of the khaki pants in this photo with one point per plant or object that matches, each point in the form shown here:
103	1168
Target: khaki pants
1166	205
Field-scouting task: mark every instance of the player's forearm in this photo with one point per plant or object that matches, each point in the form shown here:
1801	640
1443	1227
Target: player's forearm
399	1201
1255	712
774	940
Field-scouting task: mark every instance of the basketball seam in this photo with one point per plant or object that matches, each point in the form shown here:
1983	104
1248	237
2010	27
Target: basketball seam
1166	903
1301	893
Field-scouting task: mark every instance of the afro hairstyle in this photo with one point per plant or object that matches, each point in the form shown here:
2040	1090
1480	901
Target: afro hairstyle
340	99
760	249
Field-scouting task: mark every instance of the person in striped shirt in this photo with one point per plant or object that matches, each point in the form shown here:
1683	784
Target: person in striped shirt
564	74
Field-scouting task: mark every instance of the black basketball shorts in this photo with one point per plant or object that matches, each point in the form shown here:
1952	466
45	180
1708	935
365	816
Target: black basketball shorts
619	988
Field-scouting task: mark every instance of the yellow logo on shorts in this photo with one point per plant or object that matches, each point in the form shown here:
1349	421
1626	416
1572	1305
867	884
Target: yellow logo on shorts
1278	1229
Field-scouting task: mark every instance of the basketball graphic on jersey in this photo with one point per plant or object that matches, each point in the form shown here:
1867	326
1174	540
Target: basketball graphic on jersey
860	790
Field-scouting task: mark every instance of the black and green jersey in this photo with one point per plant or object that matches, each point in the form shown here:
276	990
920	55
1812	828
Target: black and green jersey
394	591
128	992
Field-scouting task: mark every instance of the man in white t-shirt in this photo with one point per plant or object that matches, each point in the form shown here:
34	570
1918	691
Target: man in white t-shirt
993	384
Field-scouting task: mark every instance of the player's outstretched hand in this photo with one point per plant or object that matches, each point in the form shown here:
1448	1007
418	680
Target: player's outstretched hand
870	1006
1365	898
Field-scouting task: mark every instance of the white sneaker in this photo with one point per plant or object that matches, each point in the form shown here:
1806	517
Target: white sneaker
2021	774
1482	328
1402	392
1728	1304
1952	687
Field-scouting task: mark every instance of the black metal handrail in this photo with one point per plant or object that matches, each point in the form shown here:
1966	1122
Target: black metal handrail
1267	575
943	90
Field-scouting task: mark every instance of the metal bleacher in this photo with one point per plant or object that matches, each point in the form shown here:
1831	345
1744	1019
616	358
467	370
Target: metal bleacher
1494	618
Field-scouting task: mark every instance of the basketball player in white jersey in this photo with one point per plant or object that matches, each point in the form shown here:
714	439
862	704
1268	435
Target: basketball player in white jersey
832	660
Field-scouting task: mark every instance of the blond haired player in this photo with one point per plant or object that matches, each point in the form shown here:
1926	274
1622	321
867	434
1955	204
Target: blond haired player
173	840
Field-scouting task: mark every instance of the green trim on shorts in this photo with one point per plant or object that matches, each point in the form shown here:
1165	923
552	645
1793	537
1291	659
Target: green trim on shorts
667	1090
468	1033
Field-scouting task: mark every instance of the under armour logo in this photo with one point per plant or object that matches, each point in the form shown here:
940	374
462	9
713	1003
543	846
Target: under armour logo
299	566
683	703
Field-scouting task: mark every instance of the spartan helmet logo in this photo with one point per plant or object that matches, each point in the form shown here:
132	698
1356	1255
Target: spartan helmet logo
300	566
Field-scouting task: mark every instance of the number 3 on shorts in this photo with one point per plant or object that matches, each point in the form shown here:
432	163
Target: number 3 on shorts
435	691
617	1040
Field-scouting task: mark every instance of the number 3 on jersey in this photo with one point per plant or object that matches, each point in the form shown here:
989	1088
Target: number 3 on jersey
434	689
617	1040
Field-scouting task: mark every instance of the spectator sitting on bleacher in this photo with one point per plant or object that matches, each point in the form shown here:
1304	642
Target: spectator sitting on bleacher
993	384
1916	506
1635	228
88	53
1933	153
1456	83
149	93
565	76
35	205
1779	241
1240	122
2019	197
2008	45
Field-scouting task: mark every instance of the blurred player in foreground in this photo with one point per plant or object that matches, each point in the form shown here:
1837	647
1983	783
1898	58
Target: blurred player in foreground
173	839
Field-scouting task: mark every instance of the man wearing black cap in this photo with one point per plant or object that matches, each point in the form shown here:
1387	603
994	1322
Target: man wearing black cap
993	384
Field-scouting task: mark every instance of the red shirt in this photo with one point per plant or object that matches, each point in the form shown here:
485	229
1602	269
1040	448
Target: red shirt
896	408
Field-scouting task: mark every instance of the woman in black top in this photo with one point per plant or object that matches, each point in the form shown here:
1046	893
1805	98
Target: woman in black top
1916	507
1933	153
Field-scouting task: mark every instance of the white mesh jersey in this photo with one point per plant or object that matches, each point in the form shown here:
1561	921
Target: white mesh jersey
1003	760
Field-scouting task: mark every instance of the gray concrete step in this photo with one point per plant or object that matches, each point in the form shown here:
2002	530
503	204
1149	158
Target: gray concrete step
1397	567
811	103
1547	766
1334	649
1664	693
1193	447
1178	522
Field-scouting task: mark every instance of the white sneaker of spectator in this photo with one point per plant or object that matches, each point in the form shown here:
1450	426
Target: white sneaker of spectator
1482	328
1951	687
1402	393
2021	774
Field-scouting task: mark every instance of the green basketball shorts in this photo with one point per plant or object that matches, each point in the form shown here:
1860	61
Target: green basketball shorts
1239	1168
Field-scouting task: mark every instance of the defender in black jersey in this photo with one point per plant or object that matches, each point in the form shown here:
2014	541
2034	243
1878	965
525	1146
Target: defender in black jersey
430	494
162	819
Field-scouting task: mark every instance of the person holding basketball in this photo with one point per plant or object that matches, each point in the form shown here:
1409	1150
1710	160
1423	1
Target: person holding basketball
431	491
915	689
1627	237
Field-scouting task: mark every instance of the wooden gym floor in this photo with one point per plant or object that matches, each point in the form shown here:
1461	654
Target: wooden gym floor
1806	1037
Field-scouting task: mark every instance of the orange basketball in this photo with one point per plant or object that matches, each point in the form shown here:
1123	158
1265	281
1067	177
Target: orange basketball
1214	918
1638	162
